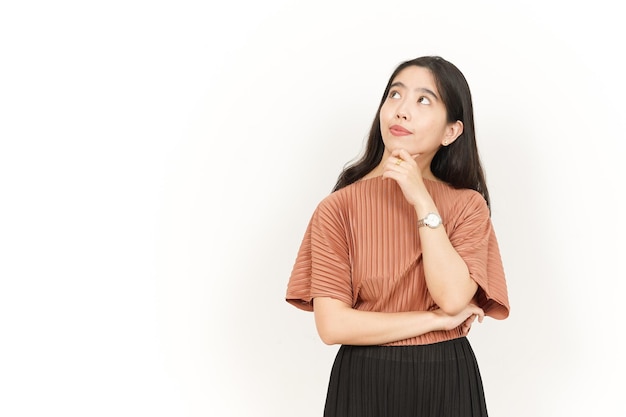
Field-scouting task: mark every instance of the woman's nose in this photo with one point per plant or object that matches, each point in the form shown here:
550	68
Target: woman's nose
402	114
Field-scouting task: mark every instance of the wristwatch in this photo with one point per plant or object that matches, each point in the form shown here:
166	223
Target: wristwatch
432	220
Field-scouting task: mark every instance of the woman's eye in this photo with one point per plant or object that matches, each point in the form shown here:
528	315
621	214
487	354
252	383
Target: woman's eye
423	100
394	94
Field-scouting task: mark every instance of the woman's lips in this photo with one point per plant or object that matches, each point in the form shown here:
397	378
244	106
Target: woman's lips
397	130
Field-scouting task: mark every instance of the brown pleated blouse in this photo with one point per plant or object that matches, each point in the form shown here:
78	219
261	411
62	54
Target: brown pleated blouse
362	247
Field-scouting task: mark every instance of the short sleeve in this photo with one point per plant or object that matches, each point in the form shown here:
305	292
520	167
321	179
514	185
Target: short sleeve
322	267
474	239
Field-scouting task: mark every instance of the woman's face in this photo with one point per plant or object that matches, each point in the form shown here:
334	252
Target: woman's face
413	117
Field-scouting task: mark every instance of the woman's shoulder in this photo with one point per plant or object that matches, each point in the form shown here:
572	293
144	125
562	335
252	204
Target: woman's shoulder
353	191
347	199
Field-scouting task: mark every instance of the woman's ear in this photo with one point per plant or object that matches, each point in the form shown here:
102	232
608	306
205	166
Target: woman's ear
453	131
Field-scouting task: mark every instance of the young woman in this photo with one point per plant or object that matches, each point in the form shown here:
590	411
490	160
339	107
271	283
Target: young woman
401	258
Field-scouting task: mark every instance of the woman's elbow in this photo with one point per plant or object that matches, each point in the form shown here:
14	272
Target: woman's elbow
329	320
453	305
454	301
327	334
329	340
451	309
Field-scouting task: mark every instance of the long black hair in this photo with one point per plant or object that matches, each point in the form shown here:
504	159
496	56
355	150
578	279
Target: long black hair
458	164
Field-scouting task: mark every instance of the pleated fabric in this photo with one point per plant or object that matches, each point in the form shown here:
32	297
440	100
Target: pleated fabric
434	380
362	247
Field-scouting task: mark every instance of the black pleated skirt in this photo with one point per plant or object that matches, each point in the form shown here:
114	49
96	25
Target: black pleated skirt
436	380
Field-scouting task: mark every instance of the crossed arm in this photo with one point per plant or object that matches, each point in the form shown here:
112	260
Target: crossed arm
446	273
448	282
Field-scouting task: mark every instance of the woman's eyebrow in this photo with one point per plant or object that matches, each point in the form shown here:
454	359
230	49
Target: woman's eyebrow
419	89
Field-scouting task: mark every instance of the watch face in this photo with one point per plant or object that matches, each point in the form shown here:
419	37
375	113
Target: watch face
432	220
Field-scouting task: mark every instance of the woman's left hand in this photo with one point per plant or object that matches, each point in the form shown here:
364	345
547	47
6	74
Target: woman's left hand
404	169
467	324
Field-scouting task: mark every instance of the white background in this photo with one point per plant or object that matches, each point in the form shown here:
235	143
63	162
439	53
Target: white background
159	162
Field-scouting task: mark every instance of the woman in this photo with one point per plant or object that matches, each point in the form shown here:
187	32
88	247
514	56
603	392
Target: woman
401	258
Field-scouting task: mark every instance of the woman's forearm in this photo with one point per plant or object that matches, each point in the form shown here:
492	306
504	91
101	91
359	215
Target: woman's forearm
446	273
339	323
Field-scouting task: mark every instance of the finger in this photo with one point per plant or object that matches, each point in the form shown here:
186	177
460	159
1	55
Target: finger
477	310
394	162
402	154
480	315
396	156
391	166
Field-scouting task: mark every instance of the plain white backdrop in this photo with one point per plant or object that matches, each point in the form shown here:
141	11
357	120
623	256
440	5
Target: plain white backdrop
159	162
